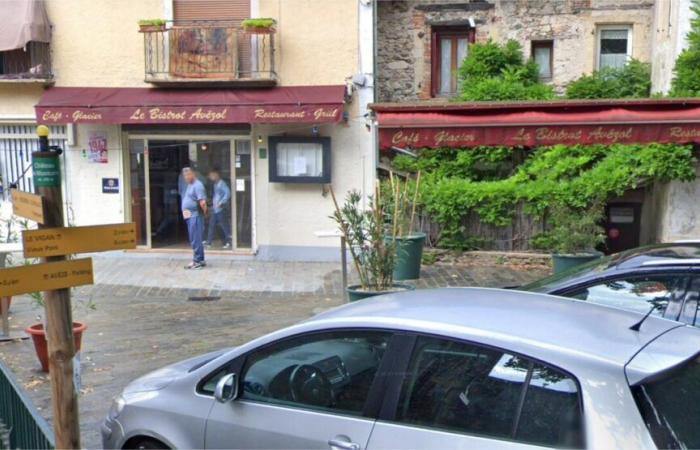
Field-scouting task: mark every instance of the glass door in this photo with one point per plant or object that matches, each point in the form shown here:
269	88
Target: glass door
243	214
157	187
139	190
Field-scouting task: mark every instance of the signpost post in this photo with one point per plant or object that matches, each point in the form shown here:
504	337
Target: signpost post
55	276
59	319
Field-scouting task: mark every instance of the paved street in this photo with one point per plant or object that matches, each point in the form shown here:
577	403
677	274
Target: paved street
144	317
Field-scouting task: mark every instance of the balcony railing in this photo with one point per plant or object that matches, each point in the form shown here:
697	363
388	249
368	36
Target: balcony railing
29	64
199	53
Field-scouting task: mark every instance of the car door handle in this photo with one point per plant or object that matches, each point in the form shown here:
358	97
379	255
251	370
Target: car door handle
343	443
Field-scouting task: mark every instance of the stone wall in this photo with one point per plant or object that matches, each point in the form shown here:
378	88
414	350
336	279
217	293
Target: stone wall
404	35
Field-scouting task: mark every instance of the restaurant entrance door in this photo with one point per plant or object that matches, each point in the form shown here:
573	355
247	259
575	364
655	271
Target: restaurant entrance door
157	187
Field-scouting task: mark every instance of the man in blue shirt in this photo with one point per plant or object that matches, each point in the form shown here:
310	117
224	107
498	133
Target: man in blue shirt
220	202
194	199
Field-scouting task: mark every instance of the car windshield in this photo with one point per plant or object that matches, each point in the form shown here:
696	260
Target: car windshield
549	283
670	407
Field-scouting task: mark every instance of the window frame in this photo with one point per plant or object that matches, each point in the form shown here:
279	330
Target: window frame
436	33
544	43
674	304
325	142
605	27
392	392
374	399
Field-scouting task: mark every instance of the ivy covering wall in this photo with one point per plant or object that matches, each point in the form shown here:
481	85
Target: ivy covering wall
488	181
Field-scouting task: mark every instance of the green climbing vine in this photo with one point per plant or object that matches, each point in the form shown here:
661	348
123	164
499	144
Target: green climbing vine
487	181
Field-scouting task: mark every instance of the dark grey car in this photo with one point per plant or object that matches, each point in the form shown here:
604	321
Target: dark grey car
444	368
664	278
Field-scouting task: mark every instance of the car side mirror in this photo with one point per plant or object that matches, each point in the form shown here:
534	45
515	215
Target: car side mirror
227	388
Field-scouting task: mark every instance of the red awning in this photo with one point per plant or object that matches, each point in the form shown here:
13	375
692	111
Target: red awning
431	124
293	104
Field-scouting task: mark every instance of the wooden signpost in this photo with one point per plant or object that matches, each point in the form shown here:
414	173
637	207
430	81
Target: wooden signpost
28	205
65	241
55	275
46	276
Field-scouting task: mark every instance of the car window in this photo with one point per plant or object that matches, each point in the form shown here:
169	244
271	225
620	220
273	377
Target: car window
328	371
551	413
689	313
670	407
551	282
635	293
471	389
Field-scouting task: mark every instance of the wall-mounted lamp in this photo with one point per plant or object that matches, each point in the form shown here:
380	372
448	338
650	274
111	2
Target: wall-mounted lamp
314	130
260	140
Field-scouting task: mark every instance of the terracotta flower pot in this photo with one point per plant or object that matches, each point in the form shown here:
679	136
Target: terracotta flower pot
38	335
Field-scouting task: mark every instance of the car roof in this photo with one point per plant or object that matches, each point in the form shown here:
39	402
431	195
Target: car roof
538	325
686	253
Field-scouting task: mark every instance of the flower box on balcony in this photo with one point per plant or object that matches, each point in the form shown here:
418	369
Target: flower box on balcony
259	26
151	25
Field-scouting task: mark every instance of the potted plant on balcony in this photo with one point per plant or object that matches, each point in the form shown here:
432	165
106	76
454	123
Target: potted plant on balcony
401	214
373	255
259	26
151	25
573	236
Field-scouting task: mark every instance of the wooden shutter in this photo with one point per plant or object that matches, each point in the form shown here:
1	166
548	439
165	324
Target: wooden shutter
228	10
231	11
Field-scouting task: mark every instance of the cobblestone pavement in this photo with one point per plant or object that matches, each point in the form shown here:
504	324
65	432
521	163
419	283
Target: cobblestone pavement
138	327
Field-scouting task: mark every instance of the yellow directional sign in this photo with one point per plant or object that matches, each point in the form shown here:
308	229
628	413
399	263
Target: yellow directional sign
65	241
28	205
45	276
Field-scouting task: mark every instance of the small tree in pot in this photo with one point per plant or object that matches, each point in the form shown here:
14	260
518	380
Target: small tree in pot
373	255
573	236
401	213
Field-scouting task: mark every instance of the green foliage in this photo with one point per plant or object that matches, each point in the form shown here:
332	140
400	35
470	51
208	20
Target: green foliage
686	81
365	231
495	72
152	22
479	163
631	81
576	176
259	23
573	230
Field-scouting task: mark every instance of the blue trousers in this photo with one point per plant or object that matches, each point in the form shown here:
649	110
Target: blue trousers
219	219
195	230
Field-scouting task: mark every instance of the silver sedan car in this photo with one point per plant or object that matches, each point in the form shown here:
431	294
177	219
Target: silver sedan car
446	368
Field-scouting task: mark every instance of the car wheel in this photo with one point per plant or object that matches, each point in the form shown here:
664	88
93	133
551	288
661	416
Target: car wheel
147	443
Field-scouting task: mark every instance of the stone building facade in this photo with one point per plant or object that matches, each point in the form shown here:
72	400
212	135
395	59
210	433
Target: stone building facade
571	29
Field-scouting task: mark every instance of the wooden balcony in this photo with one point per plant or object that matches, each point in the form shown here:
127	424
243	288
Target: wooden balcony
208	53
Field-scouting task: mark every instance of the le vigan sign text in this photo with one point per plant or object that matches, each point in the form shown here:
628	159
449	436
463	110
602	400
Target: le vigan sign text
417	137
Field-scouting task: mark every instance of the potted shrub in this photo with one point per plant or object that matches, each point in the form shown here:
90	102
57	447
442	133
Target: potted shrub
573	236
401	213
150	25
372	254
259	26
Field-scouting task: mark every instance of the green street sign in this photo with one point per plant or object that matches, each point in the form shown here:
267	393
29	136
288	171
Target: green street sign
47	171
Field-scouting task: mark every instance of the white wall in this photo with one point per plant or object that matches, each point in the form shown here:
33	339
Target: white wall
85	202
